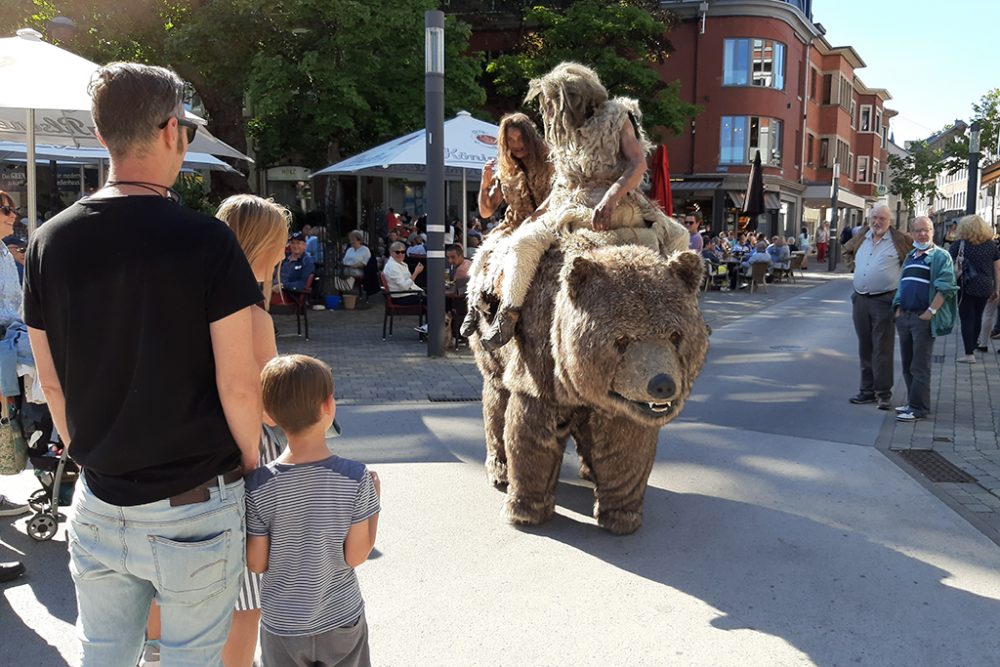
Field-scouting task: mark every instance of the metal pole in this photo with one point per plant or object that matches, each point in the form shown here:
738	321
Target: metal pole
434	122
29	172
972	188
358	206
465	216
831	260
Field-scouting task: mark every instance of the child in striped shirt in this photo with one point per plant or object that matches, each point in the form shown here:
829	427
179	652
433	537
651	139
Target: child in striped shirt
311	519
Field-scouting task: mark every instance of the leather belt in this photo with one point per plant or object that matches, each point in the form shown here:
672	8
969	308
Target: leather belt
203	491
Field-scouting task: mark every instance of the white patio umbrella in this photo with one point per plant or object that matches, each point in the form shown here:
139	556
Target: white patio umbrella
40	80
468	143
18	152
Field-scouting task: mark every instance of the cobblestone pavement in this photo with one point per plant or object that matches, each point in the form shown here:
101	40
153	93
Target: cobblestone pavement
962	428
368	370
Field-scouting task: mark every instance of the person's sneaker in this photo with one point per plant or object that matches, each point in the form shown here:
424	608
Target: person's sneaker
319	306
995	334
903	408
967	359
861	399
11	571
421	329
884	404
7	508
982	348
908	417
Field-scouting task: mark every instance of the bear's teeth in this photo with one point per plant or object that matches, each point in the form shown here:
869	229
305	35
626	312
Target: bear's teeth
660	407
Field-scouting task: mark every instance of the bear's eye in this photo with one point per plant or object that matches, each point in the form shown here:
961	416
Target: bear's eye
675	338
621	344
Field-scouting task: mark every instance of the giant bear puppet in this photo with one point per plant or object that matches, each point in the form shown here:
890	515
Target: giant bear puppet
609	337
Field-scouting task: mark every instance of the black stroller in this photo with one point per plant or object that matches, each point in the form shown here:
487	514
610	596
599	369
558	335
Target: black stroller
57	475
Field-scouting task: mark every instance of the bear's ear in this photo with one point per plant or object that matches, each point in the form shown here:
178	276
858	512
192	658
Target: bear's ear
580	271
688	267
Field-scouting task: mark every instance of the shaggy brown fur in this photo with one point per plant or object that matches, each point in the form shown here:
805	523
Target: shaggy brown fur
598	325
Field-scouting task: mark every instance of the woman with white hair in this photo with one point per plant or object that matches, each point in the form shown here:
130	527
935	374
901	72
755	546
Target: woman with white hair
977	269
399	278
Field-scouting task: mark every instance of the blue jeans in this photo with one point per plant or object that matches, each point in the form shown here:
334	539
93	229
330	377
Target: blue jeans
190	557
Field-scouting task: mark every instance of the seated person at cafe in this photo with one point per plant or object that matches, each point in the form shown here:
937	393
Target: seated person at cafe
458	280
417	247
793	244
295	269
399	278
760	255
711	252
781	256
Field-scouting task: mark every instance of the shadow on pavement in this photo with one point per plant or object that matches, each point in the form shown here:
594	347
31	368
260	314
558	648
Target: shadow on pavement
826	590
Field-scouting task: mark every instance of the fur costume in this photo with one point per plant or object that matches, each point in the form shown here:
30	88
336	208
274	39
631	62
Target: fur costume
610	343
586	165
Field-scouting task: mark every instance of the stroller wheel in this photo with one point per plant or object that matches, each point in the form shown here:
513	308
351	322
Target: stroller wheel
39	500
42	527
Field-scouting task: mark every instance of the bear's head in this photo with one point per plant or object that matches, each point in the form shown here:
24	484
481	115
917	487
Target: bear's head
628	336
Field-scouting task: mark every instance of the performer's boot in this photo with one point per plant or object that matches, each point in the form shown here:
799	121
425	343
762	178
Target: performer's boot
469	324
502	329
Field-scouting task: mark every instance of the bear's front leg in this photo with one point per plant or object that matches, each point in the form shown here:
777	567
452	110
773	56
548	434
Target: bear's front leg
534	453
495	397
621	458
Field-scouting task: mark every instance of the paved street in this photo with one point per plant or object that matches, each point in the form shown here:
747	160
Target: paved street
779	529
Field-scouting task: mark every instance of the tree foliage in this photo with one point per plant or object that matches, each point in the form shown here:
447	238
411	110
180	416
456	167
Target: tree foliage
623	40
914	176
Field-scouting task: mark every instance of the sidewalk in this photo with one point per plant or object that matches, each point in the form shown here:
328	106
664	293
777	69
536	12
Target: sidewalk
963	429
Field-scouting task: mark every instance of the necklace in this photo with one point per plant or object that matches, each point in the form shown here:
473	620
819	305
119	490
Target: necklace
168	192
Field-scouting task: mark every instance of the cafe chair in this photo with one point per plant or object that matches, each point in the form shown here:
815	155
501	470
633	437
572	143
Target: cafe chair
295	302
757	277
392	309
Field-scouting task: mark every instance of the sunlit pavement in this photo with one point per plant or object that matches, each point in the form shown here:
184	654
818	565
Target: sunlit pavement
775	534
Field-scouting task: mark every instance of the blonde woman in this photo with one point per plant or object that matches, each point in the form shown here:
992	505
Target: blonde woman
977	268
261	228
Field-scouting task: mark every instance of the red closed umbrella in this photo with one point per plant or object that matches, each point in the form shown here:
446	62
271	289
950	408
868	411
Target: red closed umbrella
661	180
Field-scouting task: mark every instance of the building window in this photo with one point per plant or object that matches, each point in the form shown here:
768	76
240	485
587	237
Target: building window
843	150
827	88
824	153
742	136
878	122
866	118
854	111
877	173
754	62
862	169
846	93
812	83
809	149
850	165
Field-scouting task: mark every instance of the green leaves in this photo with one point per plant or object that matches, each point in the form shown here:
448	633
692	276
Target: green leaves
620	39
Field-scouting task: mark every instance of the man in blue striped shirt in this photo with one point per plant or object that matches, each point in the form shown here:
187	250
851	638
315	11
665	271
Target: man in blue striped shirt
311	519
926	286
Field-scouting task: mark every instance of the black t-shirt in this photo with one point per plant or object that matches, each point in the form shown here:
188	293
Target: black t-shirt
982	257
125	289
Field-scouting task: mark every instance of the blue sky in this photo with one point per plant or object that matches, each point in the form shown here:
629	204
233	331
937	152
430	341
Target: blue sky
935	59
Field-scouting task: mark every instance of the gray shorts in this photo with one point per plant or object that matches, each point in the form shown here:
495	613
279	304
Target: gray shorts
340	647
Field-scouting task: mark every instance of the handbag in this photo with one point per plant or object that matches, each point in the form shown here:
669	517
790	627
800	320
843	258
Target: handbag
965	272
13	446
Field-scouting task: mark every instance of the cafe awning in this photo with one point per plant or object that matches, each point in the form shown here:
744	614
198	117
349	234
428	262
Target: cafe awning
772	202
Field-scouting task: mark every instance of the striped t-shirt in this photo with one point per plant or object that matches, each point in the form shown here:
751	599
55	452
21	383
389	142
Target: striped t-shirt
306	509
915	284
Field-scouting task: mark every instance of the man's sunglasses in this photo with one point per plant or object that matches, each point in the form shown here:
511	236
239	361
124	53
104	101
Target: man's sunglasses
190	126
7	210
398	252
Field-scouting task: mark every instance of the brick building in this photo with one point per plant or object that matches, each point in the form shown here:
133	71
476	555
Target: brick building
768	79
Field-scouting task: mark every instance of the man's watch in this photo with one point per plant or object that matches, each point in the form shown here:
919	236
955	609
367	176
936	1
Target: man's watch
932	309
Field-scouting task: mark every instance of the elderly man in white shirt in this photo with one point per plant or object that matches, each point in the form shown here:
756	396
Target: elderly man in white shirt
399	278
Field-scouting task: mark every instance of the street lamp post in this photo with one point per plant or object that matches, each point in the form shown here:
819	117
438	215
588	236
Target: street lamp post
434	119
834	238
973	184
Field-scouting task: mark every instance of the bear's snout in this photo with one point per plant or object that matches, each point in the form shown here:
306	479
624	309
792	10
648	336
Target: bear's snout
662	386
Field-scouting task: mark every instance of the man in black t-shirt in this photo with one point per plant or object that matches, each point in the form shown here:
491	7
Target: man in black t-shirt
146	360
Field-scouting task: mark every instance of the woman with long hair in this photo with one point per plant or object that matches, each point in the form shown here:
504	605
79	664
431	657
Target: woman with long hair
977	267
261	228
